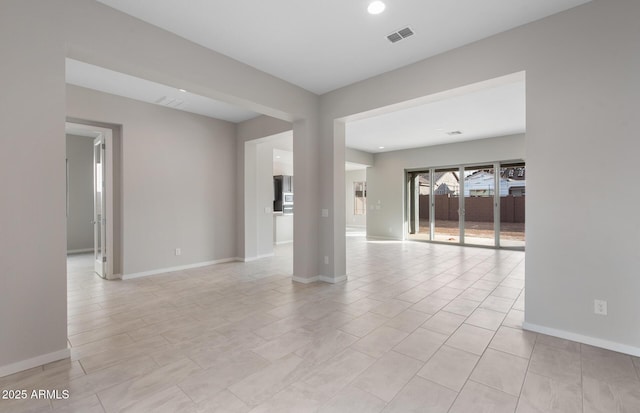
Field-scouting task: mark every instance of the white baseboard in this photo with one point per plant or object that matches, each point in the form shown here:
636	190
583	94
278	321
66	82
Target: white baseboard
333	280
323	278
592	341
381	238
305	280
80	251
178	268
249	259
34	362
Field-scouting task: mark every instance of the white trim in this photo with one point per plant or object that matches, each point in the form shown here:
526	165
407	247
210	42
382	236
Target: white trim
382	238
178	268
34	362
284	242
80	251
323	278
249	259
333	280
592	341
306	280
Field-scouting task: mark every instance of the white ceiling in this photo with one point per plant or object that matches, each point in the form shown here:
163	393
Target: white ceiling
116	83
327	44
491	110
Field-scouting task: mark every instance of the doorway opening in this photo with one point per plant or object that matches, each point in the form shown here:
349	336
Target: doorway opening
90	198
476	205
269	196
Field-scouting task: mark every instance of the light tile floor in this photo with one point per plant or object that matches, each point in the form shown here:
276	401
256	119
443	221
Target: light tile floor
416	328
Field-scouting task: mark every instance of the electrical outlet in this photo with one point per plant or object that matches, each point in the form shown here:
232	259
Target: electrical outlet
326	259
600	307
178	251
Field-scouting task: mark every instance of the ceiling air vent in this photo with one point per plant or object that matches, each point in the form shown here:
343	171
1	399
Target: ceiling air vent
454	133
400	34
169	102
394	37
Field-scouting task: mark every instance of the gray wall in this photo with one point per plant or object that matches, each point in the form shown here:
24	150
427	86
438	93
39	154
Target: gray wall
386	181
80	196
33	308
179	183
264	198
582	70
351	219
356	156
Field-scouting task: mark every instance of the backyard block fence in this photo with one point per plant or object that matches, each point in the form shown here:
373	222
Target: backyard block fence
477	209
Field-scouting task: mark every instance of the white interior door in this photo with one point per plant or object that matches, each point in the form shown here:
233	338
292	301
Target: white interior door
99	207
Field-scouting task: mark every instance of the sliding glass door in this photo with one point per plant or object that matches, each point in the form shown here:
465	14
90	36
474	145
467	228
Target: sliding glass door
446	197
419	205
472	205
479	200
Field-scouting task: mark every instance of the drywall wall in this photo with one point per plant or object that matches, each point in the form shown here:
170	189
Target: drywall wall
33	293
282	229
282	167
582	70
359	157
80	193
351	219
264	198
179	183
386	179
33	83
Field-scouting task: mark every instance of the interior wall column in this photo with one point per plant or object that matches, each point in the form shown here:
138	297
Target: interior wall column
306	171
338	270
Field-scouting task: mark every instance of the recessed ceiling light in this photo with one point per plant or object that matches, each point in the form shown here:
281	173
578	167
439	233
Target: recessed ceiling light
182	90
380	147
376	7
277	156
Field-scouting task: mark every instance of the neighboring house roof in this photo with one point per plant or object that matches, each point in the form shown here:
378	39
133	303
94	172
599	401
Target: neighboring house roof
517	173
445	183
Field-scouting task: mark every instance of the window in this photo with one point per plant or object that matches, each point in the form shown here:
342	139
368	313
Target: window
359	198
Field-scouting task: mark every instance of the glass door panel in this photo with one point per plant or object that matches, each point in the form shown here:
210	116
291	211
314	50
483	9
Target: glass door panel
446	195
512	200
479	200
418	189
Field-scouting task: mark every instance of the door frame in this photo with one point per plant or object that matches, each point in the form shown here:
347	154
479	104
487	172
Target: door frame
91	131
